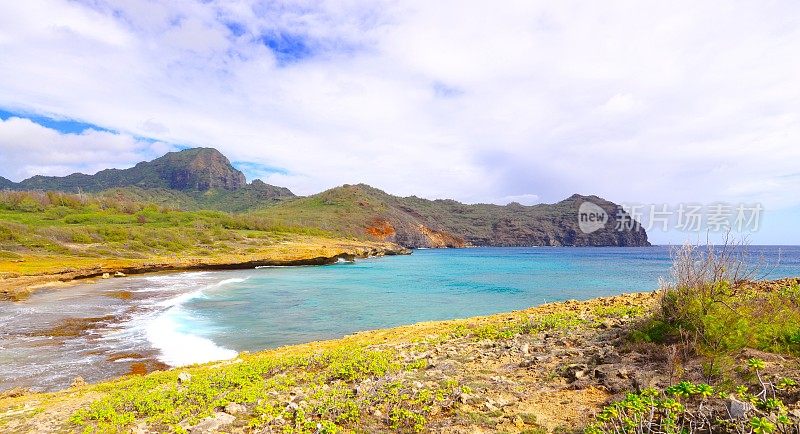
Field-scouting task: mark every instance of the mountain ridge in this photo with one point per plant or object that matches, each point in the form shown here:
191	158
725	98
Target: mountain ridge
203	178
193	178
190	169
415	222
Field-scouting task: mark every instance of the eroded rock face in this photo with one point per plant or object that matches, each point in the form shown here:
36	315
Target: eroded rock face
558	225
200	169
381	229
414	222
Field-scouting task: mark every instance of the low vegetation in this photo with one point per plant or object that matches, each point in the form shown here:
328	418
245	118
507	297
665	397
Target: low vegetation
712	308
45	233
712	351
753	407
310	393
419	378
711	312
94	225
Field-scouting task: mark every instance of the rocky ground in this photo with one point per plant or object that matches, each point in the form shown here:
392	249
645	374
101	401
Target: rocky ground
546	369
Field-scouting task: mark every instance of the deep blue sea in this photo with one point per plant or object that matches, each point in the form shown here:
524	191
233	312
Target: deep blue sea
191	317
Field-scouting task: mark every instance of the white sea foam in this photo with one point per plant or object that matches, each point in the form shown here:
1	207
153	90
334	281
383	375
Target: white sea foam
227	281
179	348
166	331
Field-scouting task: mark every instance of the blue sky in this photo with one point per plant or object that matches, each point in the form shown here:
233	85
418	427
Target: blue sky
637	102
64	126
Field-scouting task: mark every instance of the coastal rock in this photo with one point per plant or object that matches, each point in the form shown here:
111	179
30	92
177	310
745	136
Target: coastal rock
575	371
184	377
466	398
78	382
614	377
119	274
738	409
235	408
14	392
212	424
140	428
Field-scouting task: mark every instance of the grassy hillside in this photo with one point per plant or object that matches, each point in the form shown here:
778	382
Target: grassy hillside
254	196
359	210
203	178
57	233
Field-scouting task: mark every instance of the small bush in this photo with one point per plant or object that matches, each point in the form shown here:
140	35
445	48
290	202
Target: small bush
688	407
711	306
81	238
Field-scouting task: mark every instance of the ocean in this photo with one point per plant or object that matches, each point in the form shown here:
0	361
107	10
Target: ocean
193	317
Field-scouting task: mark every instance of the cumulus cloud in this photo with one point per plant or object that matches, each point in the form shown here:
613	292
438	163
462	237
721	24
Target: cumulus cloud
30	149
637	102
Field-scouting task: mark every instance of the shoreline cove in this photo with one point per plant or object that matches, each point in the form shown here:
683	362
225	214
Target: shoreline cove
197	316
19	287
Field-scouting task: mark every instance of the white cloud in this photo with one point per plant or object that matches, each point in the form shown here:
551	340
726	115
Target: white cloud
619	103
30	149
637	102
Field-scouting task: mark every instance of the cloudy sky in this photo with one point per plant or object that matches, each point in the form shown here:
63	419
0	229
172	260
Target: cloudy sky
638	102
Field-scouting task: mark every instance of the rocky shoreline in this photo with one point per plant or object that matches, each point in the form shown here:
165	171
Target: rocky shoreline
549	368
16	287
555	375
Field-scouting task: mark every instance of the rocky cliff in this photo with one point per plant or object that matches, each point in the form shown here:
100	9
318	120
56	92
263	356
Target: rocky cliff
197	169
190	179
203	178
414	222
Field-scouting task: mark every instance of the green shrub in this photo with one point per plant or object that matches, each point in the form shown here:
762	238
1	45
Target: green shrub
81	237
689	407
711	307
654	330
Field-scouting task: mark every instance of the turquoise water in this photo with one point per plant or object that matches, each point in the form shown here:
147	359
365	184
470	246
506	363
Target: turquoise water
192	317
278	306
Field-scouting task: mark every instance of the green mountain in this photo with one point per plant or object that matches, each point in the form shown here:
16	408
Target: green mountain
361	210
6	184
197	169
203	178
199	178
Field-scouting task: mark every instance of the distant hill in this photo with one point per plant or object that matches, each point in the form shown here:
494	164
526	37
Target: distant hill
203	178
6	184
196	169
360	210
190	179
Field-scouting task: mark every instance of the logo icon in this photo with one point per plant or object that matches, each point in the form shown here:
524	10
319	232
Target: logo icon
591	217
